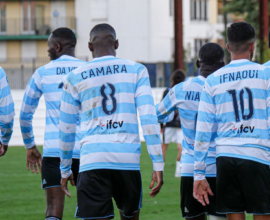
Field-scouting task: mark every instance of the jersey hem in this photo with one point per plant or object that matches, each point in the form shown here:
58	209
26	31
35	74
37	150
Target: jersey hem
109	168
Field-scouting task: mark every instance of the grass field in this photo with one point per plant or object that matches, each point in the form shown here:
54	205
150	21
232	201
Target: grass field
21	196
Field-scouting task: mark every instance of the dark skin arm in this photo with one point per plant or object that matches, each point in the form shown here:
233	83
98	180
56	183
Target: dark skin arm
64	183
33	159
157	176
3	149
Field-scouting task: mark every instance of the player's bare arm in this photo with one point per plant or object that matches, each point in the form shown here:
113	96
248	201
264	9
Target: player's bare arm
157	177
64	184
201	191
33	159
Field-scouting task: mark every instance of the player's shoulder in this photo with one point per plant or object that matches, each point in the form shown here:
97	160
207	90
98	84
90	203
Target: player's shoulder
134	67
267	64
195	83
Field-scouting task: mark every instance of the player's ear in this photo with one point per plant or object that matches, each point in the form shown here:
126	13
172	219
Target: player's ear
228	48
116	44
58	47
198	64
90	46
252	47
223	63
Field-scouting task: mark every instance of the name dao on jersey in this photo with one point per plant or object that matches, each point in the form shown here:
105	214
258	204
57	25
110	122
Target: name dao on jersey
235	102
108	91
185	98
49	81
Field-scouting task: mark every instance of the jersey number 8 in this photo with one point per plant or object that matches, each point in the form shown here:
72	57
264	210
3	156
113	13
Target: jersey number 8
105	99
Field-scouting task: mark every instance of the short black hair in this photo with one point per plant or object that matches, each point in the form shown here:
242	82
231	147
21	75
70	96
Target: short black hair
211	53
103	28
178	76
65	34
240	36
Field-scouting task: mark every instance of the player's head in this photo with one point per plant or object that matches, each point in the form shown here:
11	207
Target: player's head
103	40
61	41
177	77
211	58
241	39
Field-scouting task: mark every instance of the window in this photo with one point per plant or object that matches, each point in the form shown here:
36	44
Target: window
199	10
171	8
3	27
28	17
198	44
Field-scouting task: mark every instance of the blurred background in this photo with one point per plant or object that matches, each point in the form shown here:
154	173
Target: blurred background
147	31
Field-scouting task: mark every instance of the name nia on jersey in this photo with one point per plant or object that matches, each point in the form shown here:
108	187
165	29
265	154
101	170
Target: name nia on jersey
228	77
102	71
193	96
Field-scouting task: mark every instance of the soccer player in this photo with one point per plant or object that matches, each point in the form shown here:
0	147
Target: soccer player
172	132
6	113
48	80
234	112
185	98
109	91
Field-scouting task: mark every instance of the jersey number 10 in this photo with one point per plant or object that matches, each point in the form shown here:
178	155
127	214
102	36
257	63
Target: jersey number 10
235	104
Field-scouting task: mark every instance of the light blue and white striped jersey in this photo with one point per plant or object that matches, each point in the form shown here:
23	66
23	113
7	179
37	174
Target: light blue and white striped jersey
6	109
235	104
109	91
185	98
267	64
49	81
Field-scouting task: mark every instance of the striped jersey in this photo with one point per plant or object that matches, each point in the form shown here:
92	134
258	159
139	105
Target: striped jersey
267	64
6	109
234	112
49	81
109	91
185	98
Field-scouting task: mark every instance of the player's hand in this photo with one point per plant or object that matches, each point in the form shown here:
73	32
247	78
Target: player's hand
33	159
161	130
3	149
157	176
64	183
201	190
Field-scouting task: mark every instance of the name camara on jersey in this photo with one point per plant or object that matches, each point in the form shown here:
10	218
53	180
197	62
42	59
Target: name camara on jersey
102	71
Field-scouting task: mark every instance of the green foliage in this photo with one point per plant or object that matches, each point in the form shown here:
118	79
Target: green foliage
249	11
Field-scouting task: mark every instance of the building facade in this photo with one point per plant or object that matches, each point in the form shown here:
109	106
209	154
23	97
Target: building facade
145	29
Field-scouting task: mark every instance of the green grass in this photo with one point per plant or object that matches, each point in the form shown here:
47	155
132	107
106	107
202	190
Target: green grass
21	196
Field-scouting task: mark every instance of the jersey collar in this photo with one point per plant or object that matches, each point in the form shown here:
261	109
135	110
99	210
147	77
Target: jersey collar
239	61
104	57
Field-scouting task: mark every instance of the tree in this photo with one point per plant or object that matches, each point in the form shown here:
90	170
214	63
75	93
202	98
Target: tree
248	10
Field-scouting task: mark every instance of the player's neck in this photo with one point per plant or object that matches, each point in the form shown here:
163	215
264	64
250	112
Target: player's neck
68	53
207	69
97	54
245	56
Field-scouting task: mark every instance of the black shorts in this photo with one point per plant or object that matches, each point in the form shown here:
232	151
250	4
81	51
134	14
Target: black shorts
51	174
242	185
190	206
96	188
